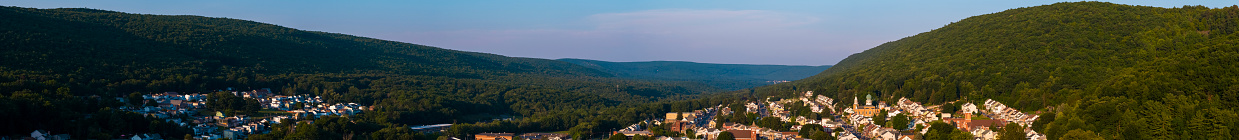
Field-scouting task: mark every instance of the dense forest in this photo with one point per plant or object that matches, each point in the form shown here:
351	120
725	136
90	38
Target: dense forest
725	76
1096	69
63	68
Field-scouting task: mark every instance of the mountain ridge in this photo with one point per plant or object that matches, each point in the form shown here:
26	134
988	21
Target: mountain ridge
61	65
1107	69
725	76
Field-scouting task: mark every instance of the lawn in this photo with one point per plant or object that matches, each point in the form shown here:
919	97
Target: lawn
979	117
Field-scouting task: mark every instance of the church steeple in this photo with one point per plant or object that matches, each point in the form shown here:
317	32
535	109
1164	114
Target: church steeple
869	99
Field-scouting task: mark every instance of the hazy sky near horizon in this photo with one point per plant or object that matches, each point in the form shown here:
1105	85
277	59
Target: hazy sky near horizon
785	32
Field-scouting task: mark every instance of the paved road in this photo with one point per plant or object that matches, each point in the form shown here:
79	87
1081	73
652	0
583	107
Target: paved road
705	119
854	132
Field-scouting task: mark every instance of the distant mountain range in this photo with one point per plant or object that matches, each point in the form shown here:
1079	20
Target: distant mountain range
725	76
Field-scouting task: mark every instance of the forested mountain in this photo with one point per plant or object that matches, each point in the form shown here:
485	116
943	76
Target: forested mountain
1110	70
726	76
62	68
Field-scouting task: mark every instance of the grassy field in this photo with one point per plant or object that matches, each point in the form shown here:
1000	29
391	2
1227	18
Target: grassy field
979	117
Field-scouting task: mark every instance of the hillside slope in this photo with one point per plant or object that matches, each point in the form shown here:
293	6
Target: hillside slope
70	36
725	76
54	59
1120	71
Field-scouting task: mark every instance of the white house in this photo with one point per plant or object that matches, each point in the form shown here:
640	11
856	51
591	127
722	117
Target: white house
969	108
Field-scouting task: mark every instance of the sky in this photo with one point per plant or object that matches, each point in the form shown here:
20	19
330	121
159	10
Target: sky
781	32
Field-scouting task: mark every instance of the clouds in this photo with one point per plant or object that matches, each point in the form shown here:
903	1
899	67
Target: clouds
717	36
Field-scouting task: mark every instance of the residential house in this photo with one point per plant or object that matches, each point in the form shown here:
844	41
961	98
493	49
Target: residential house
907	136
39	134
847	136
145	137
1033	135
45	135
984	134
708	133
969	108
887	135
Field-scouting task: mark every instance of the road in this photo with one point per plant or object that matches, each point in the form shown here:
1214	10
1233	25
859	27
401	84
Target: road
854	132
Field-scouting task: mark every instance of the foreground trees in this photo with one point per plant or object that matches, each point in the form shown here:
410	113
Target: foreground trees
726	136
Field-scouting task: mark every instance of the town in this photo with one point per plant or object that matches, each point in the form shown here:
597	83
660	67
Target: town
190	111
806	116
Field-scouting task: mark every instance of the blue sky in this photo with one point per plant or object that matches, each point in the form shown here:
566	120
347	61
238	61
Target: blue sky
784	32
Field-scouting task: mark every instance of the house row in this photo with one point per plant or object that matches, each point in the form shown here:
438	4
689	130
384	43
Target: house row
174	96
286	103
915	109
827	101
45	135
987	134
526	136
168	105
1000	111
241	131
257	94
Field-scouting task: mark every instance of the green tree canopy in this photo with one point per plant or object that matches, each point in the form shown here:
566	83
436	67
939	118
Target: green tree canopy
809	129
1078	134
900	122
1012	131
725	136
821	135
618	136
880	118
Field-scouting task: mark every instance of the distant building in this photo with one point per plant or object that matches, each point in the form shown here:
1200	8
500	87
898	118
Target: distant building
493	136
867	109
431	128
148	137
743	134
680	121
967	124
39	135
548	136
631	134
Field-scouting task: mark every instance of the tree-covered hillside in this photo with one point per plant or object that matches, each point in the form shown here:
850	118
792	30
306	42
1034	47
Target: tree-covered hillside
1116	71
725	76
62	68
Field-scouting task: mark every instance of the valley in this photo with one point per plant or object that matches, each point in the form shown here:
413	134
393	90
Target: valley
1061	71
